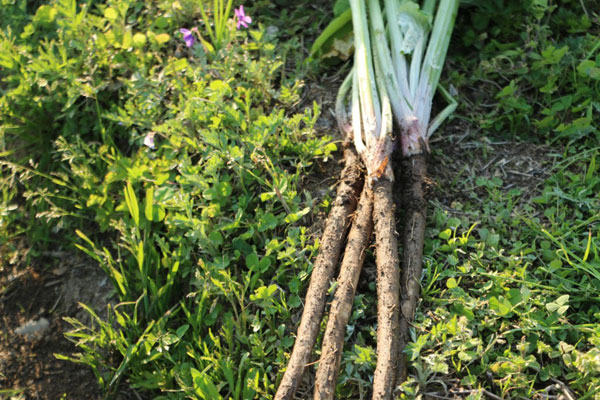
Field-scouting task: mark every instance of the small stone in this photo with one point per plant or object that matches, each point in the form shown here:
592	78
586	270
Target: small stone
33	328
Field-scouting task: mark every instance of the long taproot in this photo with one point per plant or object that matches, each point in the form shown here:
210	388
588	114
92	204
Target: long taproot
341	307
414	171
388	291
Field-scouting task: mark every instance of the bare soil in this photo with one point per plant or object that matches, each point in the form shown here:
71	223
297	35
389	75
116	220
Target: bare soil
50	288
461	155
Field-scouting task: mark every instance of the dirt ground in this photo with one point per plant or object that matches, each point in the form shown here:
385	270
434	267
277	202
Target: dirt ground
460	155
49	290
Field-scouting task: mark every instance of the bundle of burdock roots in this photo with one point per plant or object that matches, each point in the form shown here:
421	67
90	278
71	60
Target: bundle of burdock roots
383	104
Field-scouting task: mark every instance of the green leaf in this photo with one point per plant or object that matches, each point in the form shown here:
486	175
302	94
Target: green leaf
508	90
588	69
162	38
111	14
493	239
562	300
140	256
552	55
216	238
560	305
176	66
264	293
148	208
139	39
333	30
264	264
294	301
44	15
153	212
203	386
85	238
182	330
293	217
562	310
340	7
251	261
414	23
500	305
555	264
267	222
169	339
161	22
445	234
132	204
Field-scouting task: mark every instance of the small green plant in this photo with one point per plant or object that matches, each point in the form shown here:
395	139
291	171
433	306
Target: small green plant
220	13
532	93
219	28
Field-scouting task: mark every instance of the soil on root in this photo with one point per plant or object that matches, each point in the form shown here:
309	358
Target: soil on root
341	307
388	290
28	367
414	174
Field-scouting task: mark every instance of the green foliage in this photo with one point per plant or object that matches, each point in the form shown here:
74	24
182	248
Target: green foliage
510	288
206	225
198	235
536	66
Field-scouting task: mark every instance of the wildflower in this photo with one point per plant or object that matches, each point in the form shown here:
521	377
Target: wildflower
149	140
188	36
242	18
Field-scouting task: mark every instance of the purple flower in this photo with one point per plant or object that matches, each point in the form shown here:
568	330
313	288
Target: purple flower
149	140
188	36
242	18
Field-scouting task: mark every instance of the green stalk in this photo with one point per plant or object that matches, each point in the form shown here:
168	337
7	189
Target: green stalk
356	120
429	6
434	58
218	11
224	19
340	105
334	26
207	23
216	18
399	101
383	147
415	66
445	113
363	62
400	66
